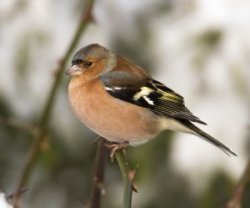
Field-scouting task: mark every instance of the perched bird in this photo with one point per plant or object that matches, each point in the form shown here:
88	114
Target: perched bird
119	101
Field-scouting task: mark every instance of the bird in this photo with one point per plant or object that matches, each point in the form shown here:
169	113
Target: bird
118	100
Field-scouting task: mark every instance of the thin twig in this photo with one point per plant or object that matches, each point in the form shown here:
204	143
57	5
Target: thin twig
98	178
46	113
236	199
12	196
16	123
128	178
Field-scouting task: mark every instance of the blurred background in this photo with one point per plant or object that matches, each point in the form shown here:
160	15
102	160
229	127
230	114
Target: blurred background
199	48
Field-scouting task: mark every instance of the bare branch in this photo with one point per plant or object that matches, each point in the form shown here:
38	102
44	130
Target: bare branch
128	178
98	178
14	122
236	199
46	113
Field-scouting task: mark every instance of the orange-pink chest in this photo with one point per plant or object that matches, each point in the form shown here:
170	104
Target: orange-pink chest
109	117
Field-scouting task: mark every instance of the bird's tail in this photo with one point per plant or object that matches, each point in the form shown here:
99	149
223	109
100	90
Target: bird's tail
208	138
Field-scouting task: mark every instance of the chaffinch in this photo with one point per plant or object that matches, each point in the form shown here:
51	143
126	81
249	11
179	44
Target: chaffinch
119	101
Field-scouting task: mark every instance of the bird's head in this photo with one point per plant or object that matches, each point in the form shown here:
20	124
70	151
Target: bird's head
93	60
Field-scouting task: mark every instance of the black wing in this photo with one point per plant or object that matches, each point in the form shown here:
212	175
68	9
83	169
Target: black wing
147	93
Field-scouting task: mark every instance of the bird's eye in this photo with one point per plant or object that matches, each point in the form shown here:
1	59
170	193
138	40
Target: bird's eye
88	64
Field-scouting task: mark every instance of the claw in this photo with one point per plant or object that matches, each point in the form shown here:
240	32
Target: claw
115	147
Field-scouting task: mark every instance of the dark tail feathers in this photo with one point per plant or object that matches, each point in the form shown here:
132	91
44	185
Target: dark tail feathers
208	138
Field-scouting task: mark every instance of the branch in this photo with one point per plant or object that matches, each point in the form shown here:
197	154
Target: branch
97	185
46	114
128	178
16	123
236	199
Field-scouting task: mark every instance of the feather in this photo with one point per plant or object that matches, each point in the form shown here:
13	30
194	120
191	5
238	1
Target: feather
207	137
147	93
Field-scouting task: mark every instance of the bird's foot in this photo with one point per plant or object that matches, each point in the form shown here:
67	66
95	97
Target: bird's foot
115	147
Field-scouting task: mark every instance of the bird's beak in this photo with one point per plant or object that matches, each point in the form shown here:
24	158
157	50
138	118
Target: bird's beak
74	70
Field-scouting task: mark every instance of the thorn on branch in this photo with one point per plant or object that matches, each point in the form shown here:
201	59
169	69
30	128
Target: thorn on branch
131	176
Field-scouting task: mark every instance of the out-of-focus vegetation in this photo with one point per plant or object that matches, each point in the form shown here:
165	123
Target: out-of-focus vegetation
34	36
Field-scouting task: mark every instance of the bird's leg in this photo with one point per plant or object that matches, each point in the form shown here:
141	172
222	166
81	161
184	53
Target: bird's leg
115	147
